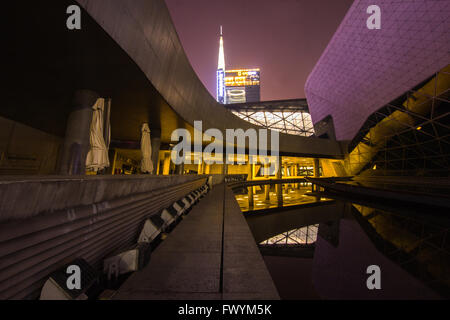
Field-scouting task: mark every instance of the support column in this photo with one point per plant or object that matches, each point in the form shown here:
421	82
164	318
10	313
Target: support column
267	191
113	166
266	176
225	165
266	171
225	169
155	139
279	168
295	174
279	187
250	171
77	139
251	198
291	174
179	169
316	168
158	166
279	191
166	165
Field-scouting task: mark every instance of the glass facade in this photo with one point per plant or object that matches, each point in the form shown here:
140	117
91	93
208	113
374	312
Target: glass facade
296	123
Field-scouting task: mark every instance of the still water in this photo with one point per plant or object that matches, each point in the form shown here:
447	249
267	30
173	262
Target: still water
319	248
263	197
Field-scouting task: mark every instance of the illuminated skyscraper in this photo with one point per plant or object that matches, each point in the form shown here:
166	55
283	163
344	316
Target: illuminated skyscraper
236	86
242	85
221	72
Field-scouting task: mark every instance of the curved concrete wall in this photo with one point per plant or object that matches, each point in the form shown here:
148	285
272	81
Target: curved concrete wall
144	29
32	247
362	70
29	196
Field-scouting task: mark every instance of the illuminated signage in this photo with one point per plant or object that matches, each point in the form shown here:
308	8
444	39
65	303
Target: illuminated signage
221	86
235	95
242	78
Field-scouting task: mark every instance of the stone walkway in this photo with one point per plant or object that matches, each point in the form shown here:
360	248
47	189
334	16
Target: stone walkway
210	255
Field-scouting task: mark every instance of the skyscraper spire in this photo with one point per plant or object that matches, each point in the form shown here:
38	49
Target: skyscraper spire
221	71
221	64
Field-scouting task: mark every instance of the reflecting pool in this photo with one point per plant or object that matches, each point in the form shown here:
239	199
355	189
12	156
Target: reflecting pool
323	248
260	197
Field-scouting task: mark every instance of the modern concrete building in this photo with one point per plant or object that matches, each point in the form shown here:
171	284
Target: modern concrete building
374	126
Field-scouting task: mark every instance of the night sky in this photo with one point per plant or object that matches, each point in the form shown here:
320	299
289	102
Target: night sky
284	38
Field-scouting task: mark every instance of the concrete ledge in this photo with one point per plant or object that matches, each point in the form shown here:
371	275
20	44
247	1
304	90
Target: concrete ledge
32	248
245	275
24	197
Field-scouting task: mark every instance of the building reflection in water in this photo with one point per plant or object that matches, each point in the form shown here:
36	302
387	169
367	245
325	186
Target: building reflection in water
304	235
262	197
333	243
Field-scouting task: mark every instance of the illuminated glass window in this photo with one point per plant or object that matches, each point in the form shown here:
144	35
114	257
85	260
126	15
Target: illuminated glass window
305	235
296	123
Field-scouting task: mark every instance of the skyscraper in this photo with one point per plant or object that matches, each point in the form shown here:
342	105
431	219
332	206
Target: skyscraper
236	86
242	85
221	72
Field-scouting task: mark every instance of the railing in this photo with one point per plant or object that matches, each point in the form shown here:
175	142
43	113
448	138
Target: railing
230	178
244	183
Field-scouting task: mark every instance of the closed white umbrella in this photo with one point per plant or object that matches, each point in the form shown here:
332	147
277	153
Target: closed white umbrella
146	150
97	158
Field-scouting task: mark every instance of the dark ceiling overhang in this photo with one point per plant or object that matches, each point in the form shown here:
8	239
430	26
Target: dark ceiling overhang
46	63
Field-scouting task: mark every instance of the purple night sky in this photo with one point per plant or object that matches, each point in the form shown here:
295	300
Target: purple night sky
283	38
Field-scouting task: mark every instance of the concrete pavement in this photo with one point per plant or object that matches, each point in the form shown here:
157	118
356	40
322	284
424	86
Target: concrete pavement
211	254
